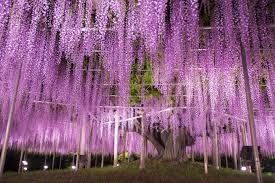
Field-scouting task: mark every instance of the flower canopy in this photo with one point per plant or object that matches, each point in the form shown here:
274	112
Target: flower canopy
178	61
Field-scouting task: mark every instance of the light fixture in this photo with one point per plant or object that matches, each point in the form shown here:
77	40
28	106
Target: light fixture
46	167
25	162
25	168
243	168
117	164
73	167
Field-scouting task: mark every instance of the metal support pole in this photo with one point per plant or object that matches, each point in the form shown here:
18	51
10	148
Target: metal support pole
45	161
216	151
102	160
9	123
60	161
53	161
73	160
251	117
77	160
89	160
124	145
205	156
143	141
20	161
95	160
116	140
226	161
146	147
102	153
234	151
192	154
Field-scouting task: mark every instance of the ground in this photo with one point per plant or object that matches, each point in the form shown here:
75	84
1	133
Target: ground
154	172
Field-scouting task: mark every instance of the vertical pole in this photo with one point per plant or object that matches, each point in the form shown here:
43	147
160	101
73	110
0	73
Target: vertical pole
102	153
9	123
239	150
244	137
116	140
53	161
219	155
20	161
124	145
82	143
226	160
146	148
60	161
234	153
73	160
102	160
251	117
89	160
95	160
205	156
192	154
216	152
77	160
45	160
204	139
143	141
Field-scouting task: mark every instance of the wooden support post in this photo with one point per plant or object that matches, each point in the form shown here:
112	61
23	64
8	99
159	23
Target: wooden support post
60	161
215	146
95	160
124	145
192	154
73	163
219	155
143	141
102	160
45	162
234	151
53	161
251	116
116	141
205	154
226	160
89	160
77	160
102	152
9	123
20	161
89	154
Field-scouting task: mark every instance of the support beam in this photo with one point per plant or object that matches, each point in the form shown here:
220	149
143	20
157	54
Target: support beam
234	151
89	160
102	160
205	154
251	117
96	157
226	160
53	161
20	161
124	144
192	154
215	147
9	123
60	161
143	141
77	160
116	141
102	150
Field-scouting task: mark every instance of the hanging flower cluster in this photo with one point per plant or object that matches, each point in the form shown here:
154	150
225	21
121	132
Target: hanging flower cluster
84	61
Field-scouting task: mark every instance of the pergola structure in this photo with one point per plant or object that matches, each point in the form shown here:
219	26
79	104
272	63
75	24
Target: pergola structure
187	76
